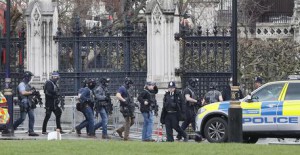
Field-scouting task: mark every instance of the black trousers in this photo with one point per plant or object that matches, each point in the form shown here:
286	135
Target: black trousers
57	112
172	122
190	119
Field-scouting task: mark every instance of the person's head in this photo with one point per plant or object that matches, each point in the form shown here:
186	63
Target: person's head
128	82
150	85
91	83
27	76
105	81
171	86
213	85
193	82
257	82
55	77
84	82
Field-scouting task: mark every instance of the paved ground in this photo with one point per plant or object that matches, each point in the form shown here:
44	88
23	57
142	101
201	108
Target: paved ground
22	135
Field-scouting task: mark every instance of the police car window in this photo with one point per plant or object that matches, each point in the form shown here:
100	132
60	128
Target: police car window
293	92
268	93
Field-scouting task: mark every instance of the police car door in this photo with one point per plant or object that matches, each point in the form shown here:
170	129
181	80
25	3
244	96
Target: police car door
260	115
289	112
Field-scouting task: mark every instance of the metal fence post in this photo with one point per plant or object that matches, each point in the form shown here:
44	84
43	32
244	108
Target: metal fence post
128	30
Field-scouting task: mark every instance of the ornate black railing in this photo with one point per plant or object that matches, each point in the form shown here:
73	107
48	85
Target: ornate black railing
99	53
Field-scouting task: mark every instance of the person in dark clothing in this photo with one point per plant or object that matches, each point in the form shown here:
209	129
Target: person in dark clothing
192	105
148	108
213	95
172	112
127	107
101	103
226	93
52	94
86	99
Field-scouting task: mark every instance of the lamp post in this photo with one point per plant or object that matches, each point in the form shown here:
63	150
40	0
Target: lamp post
7	89
235	127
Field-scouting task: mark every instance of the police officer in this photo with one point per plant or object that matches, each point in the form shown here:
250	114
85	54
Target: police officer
226	92
192	105
102	100
24	93
148	109
172	112
213	95
86	103
127	107
258	82
52	94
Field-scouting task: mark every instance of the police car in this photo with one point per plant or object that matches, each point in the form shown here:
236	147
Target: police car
273	110
4	116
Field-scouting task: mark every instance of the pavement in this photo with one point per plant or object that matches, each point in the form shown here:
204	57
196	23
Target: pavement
70	135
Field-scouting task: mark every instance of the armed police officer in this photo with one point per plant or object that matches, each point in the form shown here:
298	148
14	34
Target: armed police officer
149	108
102	106
127	107
172	112
192	103
213	95
52	95
26	106
86	107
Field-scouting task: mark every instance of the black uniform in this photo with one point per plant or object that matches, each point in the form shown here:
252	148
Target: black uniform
52	94
172	114
190	110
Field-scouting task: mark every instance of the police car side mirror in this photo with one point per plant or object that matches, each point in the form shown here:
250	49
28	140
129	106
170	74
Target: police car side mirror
249	98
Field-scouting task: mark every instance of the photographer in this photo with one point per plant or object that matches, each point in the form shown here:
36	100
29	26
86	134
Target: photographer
102	100
148	109
26	106
52	95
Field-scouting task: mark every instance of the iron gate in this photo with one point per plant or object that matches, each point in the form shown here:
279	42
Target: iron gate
17	54
101	53
205	57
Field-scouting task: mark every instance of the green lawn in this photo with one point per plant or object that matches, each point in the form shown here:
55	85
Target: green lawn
89	147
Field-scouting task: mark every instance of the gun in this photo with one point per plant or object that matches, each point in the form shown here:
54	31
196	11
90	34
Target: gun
109	107
35	98
61	101
154	107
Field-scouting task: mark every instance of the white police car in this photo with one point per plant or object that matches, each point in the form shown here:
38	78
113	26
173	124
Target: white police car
273	110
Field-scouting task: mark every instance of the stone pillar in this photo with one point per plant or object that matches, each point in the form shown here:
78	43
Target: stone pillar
296	20
162	49
42	53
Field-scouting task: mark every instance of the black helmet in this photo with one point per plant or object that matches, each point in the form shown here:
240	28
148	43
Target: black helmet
193	82
91	83
213	85
128	81
104	81
84	82
27	74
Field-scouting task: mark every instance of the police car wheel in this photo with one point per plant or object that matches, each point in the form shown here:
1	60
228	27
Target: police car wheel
250	140
215	130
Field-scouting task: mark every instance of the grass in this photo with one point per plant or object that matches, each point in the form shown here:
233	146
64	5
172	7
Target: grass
89	147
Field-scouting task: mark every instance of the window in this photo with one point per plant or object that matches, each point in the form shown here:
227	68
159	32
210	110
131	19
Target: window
293	92
268	93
